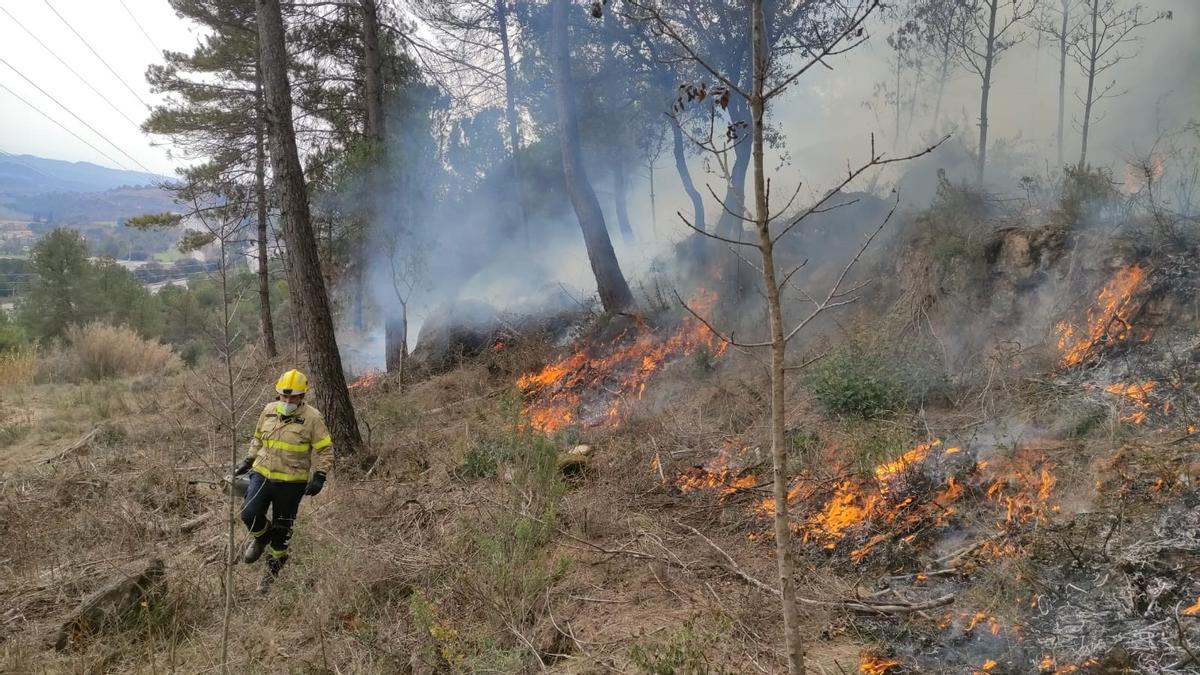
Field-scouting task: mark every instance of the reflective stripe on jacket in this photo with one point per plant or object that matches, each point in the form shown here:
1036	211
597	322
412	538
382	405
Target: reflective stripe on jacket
288	448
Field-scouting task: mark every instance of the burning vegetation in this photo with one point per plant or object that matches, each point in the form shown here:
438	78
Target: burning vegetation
595	385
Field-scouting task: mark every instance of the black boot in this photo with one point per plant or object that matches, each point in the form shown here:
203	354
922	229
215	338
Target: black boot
254	549
273	566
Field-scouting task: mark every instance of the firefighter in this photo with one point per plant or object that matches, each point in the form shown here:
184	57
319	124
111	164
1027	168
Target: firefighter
290	454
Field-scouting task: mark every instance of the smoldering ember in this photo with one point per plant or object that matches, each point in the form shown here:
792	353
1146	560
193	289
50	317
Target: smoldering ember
600	336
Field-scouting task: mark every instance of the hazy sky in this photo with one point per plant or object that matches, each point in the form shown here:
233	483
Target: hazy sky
108	27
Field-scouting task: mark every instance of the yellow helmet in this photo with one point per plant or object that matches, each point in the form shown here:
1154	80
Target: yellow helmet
291	383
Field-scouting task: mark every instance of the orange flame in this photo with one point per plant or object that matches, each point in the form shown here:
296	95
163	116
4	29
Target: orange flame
1137	395
1193	610
1108	319
874	665
367	379
718	475
621	368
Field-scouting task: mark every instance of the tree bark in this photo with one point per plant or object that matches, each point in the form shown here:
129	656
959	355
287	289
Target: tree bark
985	89
620	187
306	285
942	77
685	177
260	196
793	642
1062	74
510	117
614	292
372	72
735	192
1093	58
396	348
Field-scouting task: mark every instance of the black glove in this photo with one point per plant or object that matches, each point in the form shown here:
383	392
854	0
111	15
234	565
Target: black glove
315	483
243	467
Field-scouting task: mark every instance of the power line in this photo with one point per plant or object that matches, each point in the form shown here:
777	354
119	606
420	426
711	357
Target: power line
39	111
139	25
72	114
68	67
85	43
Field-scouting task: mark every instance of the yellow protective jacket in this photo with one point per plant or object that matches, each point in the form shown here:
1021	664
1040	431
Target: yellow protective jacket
289	448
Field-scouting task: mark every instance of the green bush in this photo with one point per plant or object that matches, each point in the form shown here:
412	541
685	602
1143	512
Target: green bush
681	654
856	381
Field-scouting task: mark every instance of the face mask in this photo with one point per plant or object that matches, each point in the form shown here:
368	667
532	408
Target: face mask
289	408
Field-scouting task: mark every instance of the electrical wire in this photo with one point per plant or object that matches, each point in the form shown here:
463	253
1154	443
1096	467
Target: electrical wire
68	67
72	114
139	25
64	128
97	54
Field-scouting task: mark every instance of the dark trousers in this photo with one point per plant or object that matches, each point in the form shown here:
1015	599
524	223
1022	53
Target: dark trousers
283	499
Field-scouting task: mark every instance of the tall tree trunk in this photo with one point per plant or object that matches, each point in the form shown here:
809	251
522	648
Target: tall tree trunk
1093	57
305	283
735	192
685	177
985	90
610	282
260	197
620	187
896	122
793	643
372	73
393	337
942	77
1062	74
510	118
653	205
918	80
396	347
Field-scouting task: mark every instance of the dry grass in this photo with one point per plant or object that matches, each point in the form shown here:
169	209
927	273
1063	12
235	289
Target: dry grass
105	351
18	366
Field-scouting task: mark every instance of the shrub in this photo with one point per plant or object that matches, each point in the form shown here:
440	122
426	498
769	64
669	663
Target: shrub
854	380
114	351
18	366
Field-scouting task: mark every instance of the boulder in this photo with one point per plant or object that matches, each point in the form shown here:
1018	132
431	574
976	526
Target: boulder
455	331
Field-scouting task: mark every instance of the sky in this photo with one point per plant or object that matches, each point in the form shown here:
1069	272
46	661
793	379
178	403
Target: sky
107	25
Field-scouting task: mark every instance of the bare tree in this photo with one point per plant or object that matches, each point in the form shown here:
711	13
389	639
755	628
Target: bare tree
993	27
614	292
834	35
1056	22
305	282
478	58
1104	38
260	201
939	26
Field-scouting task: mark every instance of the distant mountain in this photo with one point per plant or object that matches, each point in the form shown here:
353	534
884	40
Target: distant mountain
76	193
27	174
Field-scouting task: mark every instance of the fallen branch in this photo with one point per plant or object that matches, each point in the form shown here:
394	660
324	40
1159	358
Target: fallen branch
853	605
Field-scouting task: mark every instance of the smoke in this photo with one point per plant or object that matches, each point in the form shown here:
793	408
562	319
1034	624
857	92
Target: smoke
445	210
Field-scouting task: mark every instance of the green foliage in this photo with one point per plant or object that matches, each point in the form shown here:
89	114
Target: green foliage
873	445
479	462
11	432
59	292
682	654
1086	195
856	381
12	337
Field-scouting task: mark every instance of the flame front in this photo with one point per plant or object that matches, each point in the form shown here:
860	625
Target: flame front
1137	396
869	664
603	380
1193	610
367	379
1109	319
718	475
